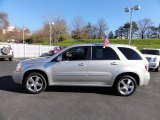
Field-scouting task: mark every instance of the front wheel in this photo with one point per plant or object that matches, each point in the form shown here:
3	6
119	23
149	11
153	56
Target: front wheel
156	70
126	86
35	83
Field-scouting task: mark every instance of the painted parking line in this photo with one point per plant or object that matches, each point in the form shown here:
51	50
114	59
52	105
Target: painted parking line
17	60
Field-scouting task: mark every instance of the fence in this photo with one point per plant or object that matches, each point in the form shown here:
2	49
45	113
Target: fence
28	50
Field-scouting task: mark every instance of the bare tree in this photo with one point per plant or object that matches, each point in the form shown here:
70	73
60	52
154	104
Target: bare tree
59	31
143	26
78	25
4	23
102	27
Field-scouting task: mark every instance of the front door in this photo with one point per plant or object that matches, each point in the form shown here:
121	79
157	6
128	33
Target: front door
73	67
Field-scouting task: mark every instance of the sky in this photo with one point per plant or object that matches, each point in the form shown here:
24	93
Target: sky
33	13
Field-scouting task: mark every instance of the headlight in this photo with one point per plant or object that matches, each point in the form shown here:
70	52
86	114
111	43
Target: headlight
155	59
19	67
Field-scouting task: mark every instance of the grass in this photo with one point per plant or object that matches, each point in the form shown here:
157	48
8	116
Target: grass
139	43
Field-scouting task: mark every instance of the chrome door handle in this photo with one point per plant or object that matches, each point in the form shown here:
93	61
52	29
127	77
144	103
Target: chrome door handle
114	63
81	64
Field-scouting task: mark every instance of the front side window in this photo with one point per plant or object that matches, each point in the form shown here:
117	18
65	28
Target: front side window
129	53
100	53
76	53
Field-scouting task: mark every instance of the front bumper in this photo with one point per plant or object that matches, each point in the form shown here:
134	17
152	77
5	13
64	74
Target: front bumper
153	65
17	77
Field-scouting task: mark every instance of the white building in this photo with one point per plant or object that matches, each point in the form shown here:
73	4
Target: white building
10	29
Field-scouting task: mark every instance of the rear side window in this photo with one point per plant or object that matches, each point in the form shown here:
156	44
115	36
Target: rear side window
130	54
100	53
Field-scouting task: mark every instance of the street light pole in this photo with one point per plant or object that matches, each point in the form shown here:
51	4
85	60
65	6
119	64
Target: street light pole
23	34
128	9
130	29
23	41
50	35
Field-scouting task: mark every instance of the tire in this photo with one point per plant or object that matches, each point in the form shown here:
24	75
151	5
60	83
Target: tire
126	86
35	83
156	70
5	50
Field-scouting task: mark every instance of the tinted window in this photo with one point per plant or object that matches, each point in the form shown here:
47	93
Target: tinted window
100	53
130	54
151	52
76	53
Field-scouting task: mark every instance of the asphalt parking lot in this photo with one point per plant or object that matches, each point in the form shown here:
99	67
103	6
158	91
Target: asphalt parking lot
76	103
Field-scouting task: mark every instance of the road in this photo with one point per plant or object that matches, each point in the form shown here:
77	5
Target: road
76	103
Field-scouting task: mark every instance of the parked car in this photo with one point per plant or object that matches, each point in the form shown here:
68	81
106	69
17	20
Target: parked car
6	51
153	57
52	52
119	66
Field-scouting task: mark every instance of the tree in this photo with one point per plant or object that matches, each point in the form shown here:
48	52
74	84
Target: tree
120	32
127	29
89	28
59	31
110	35
78	25
143	26
4	23
153	32
102	27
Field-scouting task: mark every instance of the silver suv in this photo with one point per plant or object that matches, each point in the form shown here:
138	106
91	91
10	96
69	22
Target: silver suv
6	51
120	66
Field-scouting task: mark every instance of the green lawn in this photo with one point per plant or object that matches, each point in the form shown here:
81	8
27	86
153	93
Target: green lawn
139	43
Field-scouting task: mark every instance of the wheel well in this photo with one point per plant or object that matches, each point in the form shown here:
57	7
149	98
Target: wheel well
134	75
37	71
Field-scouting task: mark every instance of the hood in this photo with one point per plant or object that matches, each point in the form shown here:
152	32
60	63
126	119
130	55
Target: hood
35	60
150	56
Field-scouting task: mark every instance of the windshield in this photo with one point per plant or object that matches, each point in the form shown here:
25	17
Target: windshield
151	52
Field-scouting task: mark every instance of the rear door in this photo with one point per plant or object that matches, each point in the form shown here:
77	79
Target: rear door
104	65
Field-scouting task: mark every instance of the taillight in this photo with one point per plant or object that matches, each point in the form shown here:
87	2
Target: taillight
146	67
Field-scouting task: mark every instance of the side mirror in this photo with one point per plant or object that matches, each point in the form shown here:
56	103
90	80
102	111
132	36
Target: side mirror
59	58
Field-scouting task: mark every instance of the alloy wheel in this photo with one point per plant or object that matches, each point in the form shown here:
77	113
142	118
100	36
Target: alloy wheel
34	83
126	86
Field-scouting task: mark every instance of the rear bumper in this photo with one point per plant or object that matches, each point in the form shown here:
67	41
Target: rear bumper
146	79
6	56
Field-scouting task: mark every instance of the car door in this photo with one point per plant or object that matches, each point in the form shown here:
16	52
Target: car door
104	65
73	67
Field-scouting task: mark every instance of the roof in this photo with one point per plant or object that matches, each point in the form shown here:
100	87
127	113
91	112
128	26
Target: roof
150	49
101	44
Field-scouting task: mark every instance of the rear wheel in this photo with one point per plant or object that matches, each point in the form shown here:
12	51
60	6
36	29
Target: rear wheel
126	86
10	59
35	83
